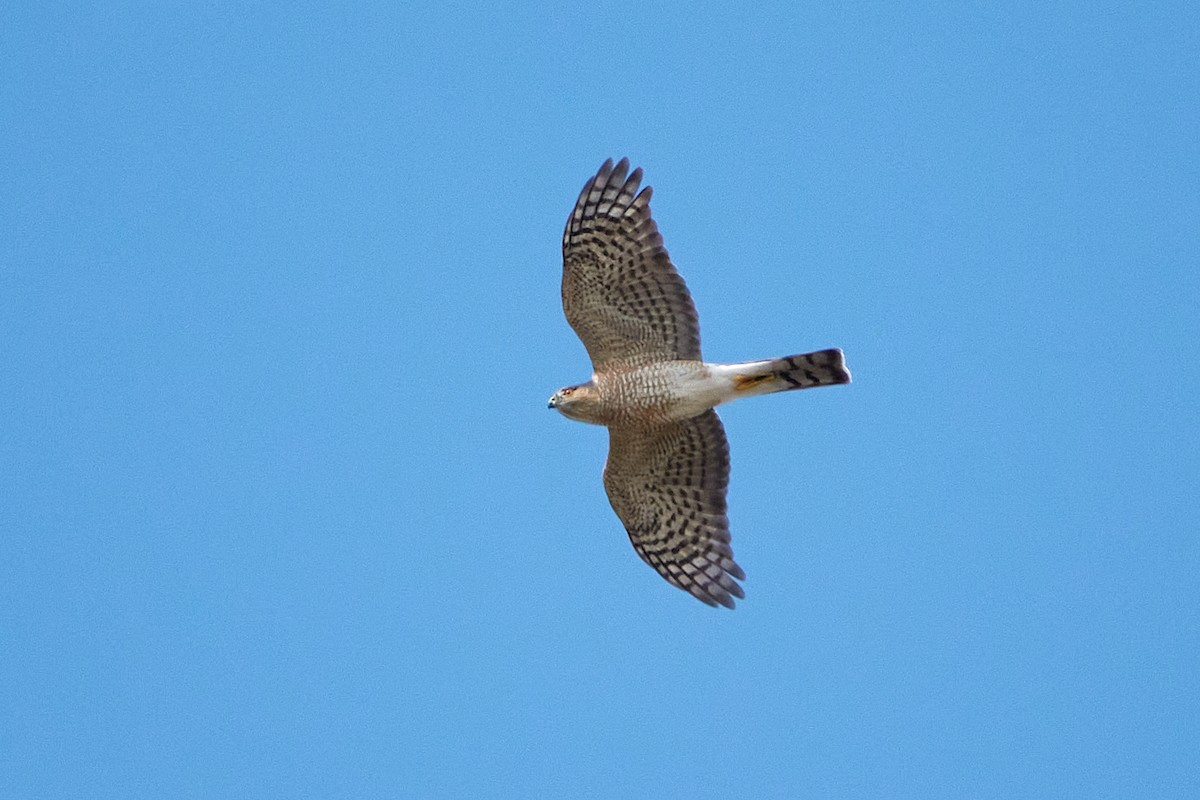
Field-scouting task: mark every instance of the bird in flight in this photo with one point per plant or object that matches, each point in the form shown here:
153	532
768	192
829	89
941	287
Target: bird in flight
668	458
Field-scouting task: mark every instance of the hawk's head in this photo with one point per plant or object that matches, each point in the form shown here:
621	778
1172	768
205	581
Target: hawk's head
576	402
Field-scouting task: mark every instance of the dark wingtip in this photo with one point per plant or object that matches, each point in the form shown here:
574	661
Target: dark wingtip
601	176
617	176
720	594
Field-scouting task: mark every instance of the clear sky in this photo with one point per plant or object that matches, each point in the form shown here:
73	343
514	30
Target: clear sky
283	511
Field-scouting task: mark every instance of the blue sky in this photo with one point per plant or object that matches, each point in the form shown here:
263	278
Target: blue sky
284	513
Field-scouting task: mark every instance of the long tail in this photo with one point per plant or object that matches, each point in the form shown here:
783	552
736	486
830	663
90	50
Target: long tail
822	368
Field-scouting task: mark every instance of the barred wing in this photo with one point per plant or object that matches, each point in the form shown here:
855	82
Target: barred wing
667	484
620	291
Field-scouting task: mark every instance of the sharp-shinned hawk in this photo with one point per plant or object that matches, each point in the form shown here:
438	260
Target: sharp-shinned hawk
668	459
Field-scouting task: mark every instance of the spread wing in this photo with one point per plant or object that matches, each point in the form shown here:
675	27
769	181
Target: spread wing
667	484
620	291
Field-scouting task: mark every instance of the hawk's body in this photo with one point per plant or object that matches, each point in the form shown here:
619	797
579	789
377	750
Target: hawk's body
668	461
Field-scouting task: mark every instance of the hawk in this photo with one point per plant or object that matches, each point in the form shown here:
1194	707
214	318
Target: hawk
668	458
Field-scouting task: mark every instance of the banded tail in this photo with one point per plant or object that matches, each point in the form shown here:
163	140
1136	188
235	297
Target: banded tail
822	368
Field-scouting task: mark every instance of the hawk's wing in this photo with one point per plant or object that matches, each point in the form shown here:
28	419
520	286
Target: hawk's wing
667	484
620	291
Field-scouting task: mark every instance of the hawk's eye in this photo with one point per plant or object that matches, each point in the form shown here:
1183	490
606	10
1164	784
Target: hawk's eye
567	392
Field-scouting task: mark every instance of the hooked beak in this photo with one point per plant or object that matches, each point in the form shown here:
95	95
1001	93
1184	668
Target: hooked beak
551	404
